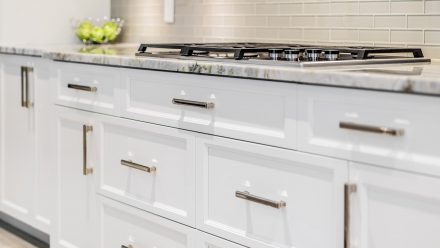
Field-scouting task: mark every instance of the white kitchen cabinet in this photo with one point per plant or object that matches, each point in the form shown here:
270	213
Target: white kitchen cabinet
393	130
148	166
27	164
77	157
261	196
122	226
390	208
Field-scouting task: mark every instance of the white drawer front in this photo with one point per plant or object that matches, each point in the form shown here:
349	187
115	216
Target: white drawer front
243	109
87	87
122	226
310	186
394	209
150	167
205	240
330	119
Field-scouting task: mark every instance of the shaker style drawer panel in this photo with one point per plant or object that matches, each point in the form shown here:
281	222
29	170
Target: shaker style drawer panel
262	196
394	130
390	208
87	87
243	109
150	167
205	240
122	226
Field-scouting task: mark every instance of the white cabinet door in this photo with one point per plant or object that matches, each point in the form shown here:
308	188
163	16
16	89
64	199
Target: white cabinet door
17	137
27	162
148	166
393	209
261	196
77	155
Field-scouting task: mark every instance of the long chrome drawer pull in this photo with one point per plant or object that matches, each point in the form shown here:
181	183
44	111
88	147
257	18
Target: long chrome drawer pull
82	87
128	246
206	105
138	166
348	190
25	101
86	170
247	196
23	86
371	129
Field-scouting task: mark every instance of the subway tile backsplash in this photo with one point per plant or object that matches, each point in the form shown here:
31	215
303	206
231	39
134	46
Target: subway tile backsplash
412	23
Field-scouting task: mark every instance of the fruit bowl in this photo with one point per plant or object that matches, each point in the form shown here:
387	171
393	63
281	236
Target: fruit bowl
98	31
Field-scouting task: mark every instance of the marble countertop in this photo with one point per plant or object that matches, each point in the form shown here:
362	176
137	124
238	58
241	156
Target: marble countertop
421	78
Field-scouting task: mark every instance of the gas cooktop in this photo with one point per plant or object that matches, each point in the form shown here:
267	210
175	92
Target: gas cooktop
285	54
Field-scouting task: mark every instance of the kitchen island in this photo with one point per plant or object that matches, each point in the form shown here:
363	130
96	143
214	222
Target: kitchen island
184	153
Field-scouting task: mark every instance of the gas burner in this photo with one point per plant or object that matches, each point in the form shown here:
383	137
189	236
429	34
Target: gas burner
275	53
293	54
331	55
288	53
314	54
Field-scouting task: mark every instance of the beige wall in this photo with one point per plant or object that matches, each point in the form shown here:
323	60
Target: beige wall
364	22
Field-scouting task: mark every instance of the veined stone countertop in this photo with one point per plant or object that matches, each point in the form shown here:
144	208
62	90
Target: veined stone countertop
421	78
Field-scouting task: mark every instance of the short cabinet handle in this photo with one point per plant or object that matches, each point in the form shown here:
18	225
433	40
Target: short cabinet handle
371	129
205	105
348	190
86	170
138	166
247	196
82	87
25	101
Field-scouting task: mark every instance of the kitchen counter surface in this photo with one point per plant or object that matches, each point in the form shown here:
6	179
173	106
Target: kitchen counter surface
422	78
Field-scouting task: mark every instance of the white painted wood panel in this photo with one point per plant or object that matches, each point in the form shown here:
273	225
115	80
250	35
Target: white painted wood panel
243	109
169	190
311	187
77	204
394	209
104	80
123	226
322	109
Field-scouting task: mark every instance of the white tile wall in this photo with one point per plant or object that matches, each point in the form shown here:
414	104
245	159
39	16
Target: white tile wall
407	23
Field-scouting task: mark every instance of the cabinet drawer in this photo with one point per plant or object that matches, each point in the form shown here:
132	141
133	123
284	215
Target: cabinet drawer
87	87
205	240
390	208
122	226
261	196
150	167
394	130
243	109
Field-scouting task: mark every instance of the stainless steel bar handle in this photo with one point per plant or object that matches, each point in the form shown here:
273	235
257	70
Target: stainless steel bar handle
82	87
138	166
253	198
25	101
205	105
371	129
348	190
86	170
23	86
129	246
